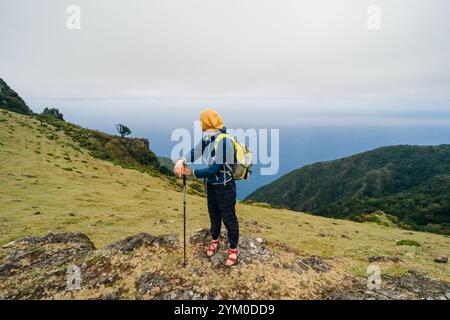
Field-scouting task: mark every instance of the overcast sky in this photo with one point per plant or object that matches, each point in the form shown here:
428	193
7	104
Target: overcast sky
266	54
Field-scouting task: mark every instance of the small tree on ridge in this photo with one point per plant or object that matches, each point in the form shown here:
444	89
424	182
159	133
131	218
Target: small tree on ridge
123	130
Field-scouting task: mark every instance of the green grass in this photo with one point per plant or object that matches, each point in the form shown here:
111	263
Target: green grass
409	183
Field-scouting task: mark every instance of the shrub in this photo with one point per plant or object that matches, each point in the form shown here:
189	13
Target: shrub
197	186
51	112
408	243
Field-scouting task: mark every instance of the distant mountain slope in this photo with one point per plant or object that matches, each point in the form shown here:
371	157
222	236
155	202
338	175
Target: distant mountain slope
166	165
167	162
10	100
410	182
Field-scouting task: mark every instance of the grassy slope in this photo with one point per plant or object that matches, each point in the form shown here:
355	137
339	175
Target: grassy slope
110	202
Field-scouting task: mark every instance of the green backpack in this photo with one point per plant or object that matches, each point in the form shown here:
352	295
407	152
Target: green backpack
241	169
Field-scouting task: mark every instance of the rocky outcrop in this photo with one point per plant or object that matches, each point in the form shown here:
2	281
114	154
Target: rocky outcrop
394	259
52	250
159	287
151	283
33	267
145	266
441	259
413	285
70	237
132	243
250	249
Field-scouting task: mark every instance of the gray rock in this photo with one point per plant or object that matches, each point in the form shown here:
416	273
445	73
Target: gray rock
151	283
260	279
109	296
186	294
219	259
413	285
99	272
132	243
317	264
198	272
168	240
43	260
441	259
250	249
314	263
69	237
202	236
253	250
394	259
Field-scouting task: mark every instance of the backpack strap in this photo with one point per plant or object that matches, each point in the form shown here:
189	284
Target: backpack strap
225	135
225	165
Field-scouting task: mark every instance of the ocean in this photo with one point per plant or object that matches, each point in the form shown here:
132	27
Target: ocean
304	139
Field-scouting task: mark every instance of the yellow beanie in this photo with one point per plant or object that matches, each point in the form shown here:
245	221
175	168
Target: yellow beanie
211	119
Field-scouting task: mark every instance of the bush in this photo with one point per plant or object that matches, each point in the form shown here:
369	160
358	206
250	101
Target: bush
52	112
197	187
373	217
408	243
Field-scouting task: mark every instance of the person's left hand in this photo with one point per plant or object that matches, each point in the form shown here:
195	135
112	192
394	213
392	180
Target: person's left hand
187	171
178	169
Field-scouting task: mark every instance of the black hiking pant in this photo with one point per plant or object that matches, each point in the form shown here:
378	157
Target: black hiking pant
221	207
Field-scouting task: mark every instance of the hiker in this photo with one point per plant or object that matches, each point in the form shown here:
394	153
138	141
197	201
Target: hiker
220	185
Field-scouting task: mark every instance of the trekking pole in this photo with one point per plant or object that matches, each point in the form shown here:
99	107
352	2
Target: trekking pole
184	221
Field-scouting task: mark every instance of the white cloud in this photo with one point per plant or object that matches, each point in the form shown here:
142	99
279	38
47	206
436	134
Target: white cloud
234	49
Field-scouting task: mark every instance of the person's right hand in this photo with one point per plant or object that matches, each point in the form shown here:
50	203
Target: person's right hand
178	169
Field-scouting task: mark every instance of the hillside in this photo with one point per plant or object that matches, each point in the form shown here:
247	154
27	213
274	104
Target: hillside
62	205
132	153
166	165
411	184
10	100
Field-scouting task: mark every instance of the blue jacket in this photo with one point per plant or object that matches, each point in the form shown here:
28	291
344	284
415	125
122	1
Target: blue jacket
216	156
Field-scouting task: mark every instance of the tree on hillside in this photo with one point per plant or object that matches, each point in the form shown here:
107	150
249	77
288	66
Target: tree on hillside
123	130
53	112
40	118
